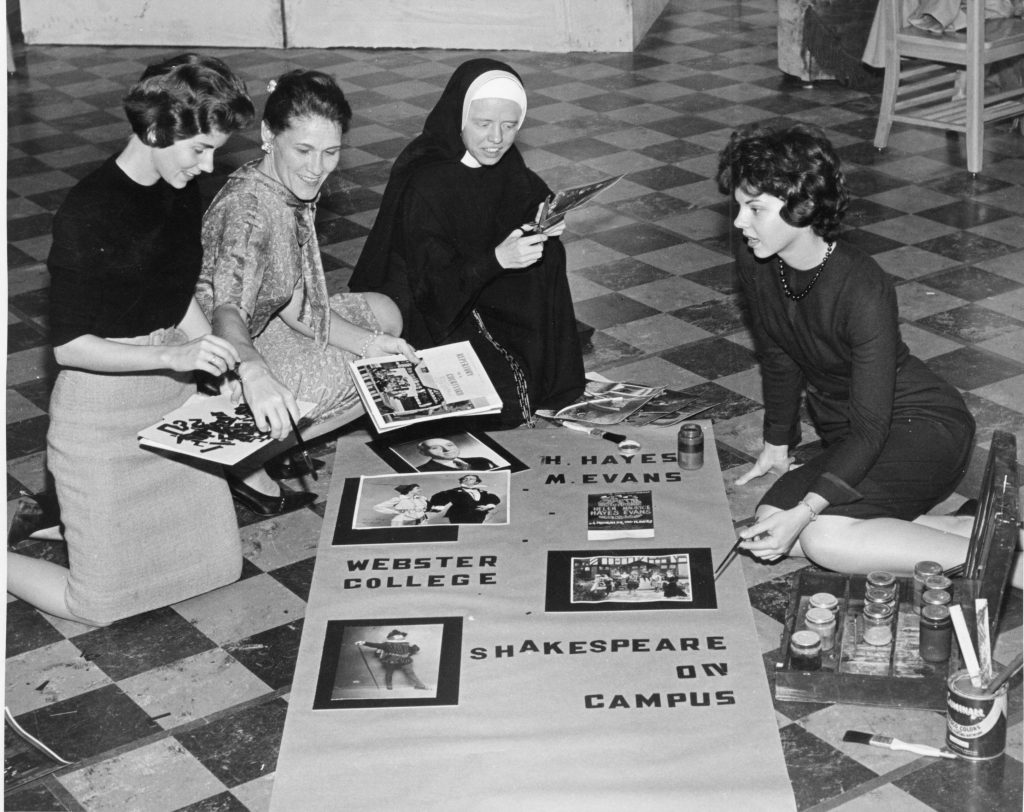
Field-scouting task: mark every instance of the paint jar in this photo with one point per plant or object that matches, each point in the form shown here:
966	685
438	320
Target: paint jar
922	570
935	597
881	579
805	651
939	582
824	600
875	594
690	447
936	633
823	622
877	619
975	720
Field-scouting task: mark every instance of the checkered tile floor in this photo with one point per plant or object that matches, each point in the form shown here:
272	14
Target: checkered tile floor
183	708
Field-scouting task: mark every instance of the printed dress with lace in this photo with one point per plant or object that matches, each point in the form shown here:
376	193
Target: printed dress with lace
259	246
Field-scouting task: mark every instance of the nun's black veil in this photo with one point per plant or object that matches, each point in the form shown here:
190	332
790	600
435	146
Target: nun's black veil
379	267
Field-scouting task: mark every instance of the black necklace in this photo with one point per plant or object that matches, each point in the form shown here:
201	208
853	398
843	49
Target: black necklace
796	297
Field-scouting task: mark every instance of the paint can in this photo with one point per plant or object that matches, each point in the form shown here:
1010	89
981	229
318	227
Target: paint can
690	447
975	720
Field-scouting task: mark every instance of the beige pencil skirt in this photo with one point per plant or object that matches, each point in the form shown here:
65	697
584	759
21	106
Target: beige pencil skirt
143	530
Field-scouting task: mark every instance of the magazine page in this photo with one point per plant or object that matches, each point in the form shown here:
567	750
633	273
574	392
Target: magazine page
446	382
211	427
564	201
605	402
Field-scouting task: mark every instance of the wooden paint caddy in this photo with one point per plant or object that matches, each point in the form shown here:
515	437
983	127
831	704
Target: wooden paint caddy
894	675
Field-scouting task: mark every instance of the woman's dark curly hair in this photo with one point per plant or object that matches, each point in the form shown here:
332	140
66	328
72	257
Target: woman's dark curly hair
185	96
798	165
304	94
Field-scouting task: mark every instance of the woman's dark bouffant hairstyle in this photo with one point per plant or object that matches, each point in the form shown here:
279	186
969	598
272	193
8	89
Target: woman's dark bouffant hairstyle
185	96
404	489
798	165
304	93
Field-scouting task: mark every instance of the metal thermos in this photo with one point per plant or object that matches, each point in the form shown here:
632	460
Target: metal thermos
690	447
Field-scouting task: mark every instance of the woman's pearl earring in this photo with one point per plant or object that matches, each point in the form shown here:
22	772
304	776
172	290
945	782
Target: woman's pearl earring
267	147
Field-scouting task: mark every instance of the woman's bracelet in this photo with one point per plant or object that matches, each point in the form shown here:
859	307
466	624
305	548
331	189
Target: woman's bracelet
814	513
368	341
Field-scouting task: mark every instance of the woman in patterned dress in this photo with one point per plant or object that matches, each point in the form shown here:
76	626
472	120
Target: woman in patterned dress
263	285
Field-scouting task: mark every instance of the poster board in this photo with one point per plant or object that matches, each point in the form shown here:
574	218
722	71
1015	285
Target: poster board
532	698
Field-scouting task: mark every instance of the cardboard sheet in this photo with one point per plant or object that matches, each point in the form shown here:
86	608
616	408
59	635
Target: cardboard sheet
538	688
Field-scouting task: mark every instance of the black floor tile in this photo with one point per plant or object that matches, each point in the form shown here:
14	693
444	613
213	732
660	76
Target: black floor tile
140	643
271	654
818	771
242	746
89	724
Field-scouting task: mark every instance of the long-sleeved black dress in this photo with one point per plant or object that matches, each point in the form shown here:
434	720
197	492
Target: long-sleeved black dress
897	438
432	251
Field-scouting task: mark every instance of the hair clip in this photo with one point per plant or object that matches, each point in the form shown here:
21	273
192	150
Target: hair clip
271	85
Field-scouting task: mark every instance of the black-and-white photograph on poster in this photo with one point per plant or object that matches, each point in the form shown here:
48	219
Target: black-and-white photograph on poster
411	500
445	451
396	662
630	580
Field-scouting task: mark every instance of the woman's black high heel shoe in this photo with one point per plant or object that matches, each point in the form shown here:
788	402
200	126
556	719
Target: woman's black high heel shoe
291	466
265	505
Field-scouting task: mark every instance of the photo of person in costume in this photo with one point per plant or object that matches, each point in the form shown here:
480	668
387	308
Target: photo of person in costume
392	662
469	503
452	246
896	437
395	654
408	508
263	285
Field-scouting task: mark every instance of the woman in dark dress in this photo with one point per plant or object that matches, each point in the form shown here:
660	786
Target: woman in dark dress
450	248
897	438
142	530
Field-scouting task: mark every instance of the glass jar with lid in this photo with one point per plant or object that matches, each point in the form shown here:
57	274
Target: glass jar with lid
877	618
805	651
822	621
936	633
922	570
824	600
882	579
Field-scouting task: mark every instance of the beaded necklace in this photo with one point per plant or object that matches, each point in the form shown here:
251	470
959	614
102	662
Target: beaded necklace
796	297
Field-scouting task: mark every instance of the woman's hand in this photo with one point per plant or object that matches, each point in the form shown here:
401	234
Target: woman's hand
772	536
520	249
208	353
554	230
270	401
390	345
772	459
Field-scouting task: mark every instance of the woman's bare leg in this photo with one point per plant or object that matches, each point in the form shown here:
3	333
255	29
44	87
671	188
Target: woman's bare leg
42	584
858	546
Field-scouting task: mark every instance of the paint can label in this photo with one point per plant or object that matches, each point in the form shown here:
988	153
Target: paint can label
975	723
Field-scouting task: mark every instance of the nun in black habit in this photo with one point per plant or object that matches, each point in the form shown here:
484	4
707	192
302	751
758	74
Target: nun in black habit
449	246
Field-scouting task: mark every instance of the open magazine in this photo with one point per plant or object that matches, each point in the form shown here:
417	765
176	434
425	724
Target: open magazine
447	381
211	427
558	204
605	403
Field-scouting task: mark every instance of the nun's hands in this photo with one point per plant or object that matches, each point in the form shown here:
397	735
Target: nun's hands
520	249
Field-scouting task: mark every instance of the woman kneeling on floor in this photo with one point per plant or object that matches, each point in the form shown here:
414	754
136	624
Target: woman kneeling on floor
142	531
